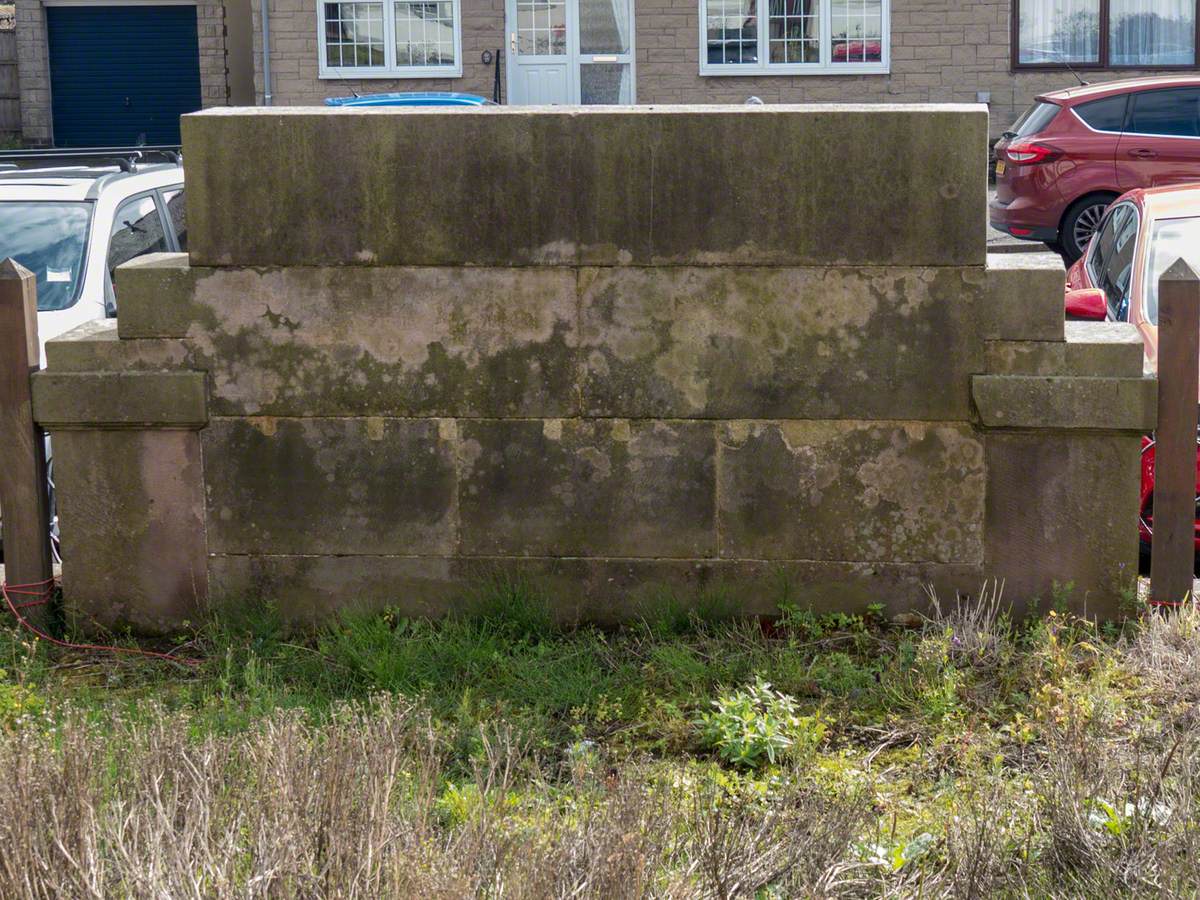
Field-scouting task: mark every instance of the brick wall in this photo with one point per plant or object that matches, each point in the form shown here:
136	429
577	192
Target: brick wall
10	97
34	64
33	72
942	50
295	56
214	69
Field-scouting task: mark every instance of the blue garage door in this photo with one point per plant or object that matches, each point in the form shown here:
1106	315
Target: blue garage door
122	74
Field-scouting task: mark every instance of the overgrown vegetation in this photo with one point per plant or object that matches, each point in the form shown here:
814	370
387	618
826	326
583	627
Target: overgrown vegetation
496	754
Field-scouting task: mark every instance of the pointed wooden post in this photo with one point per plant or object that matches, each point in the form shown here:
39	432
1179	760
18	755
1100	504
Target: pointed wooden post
23	501
1173	542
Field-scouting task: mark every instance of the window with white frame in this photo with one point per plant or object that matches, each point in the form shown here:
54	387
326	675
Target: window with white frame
390	39
1146	34
792	37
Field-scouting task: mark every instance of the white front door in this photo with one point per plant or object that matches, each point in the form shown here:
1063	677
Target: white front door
570	52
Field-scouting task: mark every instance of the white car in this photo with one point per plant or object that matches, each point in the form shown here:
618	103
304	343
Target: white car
73	225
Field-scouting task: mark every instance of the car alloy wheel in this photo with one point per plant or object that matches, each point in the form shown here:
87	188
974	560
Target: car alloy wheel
1086	223
1080	222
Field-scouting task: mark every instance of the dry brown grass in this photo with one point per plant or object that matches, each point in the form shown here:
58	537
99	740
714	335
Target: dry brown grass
351	809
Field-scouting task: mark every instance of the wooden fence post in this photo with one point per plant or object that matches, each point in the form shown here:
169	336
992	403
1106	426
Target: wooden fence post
23	500
1173	542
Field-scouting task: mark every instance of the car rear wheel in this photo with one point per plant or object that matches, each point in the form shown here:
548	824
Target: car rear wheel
1081	222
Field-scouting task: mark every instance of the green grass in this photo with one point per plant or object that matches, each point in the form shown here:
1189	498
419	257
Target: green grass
504	659
1051	734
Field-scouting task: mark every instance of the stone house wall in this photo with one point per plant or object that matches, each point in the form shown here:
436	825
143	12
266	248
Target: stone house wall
33	67
942	51
295	55
33	72
10	107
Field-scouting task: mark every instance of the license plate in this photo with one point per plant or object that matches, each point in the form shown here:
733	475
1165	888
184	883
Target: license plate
999	167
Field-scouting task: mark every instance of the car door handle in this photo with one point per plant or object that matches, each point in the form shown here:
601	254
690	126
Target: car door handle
1143	153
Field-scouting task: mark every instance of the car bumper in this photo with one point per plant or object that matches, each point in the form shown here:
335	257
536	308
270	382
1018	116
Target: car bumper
1015	219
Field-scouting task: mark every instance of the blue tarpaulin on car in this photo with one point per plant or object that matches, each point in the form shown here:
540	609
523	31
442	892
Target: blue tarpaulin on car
413	98
120	75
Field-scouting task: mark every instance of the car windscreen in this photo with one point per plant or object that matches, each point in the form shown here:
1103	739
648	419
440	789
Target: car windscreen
1034	119
1170	239
49	239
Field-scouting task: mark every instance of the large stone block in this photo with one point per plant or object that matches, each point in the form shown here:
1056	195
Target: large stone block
355	341
96	347
155	297
851	491
131	515
332	486
741	343
760	586
619	591
1024	297
129	399
309	589
1091	349
1026	401
520	186
1062	518
587	488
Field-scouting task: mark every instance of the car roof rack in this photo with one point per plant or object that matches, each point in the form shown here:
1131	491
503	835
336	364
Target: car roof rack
125	158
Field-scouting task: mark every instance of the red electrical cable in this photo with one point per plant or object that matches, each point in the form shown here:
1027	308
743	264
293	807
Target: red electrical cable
43	590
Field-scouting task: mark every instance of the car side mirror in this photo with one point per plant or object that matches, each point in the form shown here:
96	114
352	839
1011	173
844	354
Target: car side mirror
1087	303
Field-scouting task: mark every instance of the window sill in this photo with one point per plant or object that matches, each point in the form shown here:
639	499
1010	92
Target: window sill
737	71
385	75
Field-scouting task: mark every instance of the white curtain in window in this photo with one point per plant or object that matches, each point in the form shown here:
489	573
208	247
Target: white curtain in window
603	26
620	10
1057	31
1152	32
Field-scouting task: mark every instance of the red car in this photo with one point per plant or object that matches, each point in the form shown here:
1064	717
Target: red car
858	51
1075	151
1139	237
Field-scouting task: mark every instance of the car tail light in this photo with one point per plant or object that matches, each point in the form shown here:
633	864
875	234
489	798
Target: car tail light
1028	153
